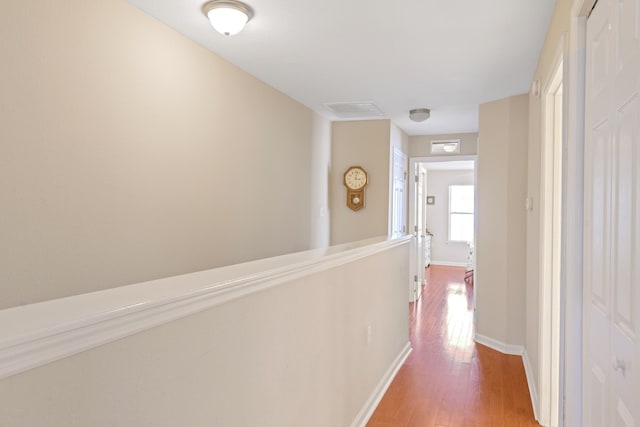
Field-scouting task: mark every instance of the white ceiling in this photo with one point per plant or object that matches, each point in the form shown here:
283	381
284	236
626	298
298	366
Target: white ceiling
446	55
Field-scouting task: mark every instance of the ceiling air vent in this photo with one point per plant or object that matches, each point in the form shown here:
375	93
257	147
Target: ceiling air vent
355	110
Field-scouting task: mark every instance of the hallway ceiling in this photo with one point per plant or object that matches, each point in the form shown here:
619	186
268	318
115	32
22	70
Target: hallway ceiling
446	55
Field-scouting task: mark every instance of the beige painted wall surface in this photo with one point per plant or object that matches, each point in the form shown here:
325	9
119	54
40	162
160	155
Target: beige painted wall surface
560	24
517	219
367	144
500	245
491	245
533	236
420	145
283	363
438	182
320	176
126	154
399	139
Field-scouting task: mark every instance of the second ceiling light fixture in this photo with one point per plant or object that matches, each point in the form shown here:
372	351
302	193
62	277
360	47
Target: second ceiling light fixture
228	17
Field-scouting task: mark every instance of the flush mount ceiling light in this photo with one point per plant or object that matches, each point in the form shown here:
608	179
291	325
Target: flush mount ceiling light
419	114
228	17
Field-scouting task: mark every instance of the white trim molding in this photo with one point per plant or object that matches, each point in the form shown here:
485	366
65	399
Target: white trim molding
449	263
572	344
515	350
381	388
37	334
552	222
531	382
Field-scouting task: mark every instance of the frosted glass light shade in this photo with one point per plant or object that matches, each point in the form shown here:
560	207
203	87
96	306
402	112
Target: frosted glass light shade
419	114
227	17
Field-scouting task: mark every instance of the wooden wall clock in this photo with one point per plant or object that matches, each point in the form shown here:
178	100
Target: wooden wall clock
355	179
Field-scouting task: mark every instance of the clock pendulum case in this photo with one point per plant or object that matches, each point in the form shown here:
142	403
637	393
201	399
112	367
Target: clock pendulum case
355	179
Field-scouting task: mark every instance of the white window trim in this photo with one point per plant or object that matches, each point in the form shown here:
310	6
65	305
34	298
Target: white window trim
449	239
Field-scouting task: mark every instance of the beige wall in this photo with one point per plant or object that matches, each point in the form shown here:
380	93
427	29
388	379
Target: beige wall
364	143
560	24
438	183
128	152
420	145
517	219
399	139
501	234
320	176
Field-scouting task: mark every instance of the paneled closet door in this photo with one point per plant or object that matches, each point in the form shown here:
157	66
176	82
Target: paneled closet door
612	211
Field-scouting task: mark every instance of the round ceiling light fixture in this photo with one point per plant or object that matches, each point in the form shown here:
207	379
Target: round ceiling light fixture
450	148
419	114
228	17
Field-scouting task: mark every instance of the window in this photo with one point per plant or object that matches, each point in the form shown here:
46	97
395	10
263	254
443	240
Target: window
461	213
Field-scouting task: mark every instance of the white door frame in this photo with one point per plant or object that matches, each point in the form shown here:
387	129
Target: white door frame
412	184
417	260
552	191
421	230
572	294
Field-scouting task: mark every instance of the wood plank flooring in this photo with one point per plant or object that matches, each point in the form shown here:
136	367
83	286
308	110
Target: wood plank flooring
449	380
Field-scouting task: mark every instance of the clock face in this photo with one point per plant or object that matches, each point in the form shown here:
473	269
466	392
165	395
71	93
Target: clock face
355	178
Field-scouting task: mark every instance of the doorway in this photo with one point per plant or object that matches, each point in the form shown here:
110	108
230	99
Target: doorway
551	246
442	214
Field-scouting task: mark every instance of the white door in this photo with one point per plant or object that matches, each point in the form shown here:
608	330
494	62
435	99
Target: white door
420	229
417	229
612	217
426	239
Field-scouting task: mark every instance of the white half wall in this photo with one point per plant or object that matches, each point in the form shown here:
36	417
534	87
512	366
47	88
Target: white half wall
317	347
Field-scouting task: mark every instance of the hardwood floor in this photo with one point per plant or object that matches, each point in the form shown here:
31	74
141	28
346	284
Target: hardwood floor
449	380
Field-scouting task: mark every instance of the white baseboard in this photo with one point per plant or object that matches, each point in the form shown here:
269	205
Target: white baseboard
376	396
449	263
532	384
516	350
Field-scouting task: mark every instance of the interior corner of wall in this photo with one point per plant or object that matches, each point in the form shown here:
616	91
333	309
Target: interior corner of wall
531	382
